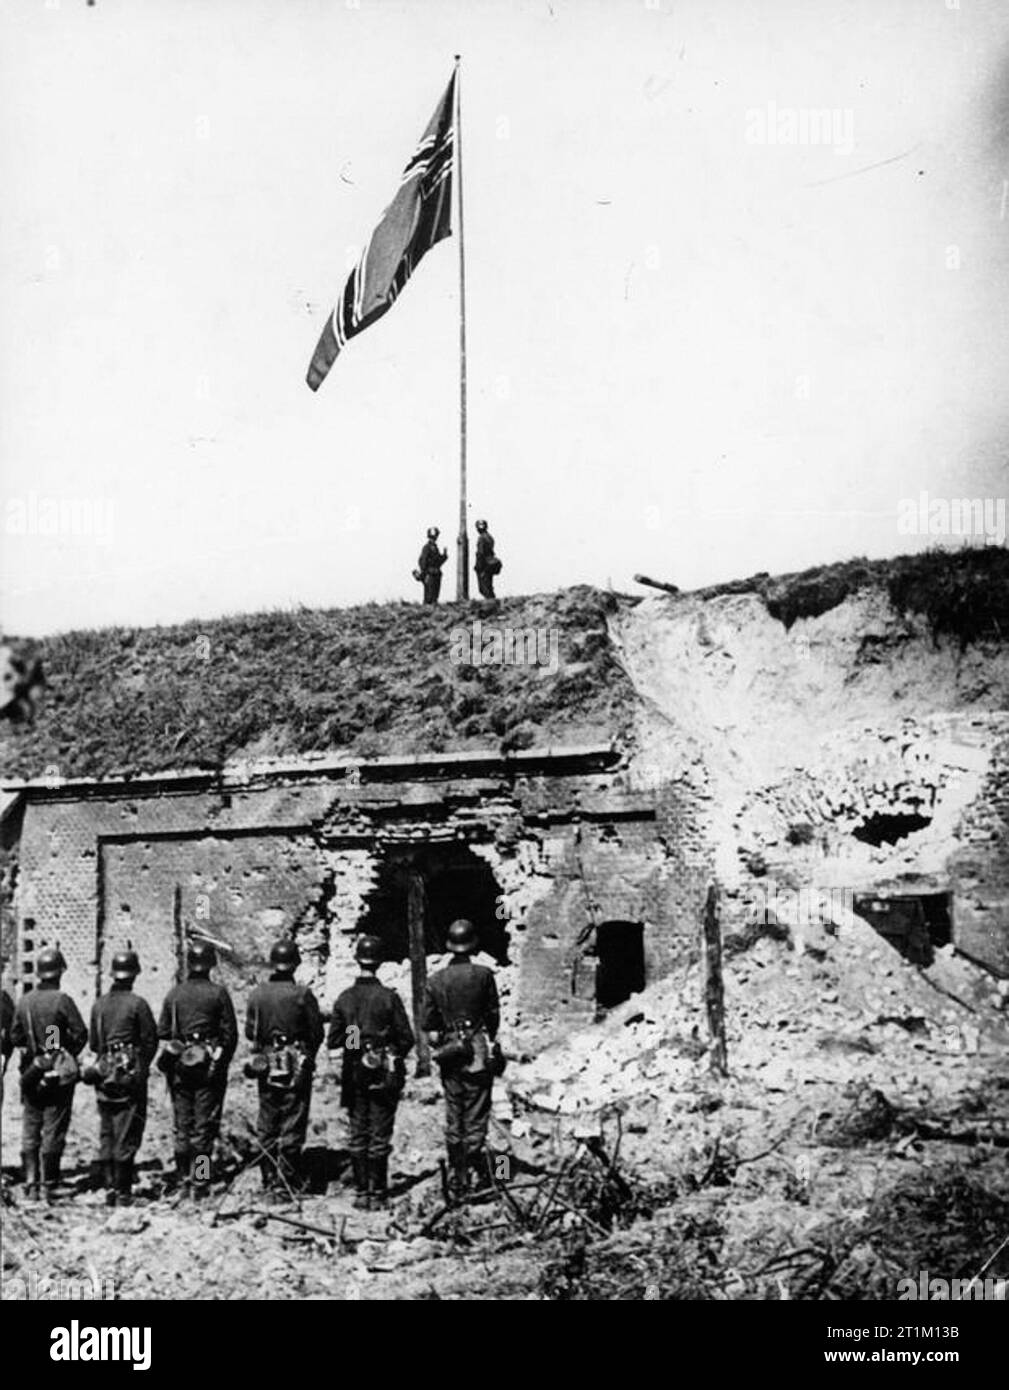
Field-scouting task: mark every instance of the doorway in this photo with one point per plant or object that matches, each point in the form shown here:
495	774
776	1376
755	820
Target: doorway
455	883
620	962
917	924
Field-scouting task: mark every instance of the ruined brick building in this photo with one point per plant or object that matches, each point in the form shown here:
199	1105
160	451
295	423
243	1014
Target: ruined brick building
582	888
577	814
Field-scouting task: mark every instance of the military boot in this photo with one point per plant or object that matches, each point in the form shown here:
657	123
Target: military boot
268	1173
479	1164
124	1182
30	1159
109	1181
362	1181
378	1169
457	1173
50	1177
183	1164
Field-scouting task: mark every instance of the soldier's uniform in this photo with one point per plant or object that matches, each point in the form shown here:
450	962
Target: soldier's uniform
45	1019
6	1023
462	1000
370	1024
122	1027
199	1014
487	564
283	1015
429	566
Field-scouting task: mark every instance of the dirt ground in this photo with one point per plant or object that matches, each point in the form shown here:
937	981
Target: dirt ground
861	1138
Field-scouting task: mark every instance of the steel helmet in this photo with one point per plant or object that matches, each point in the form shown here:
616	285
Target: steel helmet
462	937
481	526
125	965
433	533
369	950
285	956
50	964
200	958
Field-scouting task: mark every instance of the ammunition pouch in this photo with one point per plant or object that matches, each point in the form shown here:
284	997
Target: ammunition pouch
468	1049
287	1064
257	1067
121	1072
194	1063
465	1049
50	1072
378	1067
191	1062
169	1058
454	1054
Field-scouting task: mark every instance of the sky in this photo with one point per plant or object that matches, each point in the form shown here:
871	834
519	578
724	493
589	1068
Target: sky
709	332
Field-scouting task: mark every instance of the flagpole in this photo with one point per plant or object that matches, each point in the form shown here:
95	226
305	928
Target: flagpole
462	544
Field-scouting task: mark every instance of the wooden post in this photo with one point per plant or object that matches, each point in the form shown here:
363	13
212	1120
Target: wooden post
714	994
180	935
418	967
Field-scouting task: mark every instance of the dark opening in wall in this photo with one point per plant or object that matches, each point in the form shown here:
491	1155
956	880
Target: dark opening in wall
456	883
887	829
915	923
620	962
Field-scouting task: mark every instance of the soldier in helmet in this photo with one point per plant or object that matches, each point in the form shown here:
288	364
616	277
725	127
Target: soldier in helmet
429	565
200	1031
487	563
49	1031
284	1025
461	1018
124	1038
370	1025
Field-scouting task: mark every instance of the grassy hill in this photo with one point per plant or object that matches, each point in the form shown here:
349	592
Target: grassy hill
369	681
963	594
381	679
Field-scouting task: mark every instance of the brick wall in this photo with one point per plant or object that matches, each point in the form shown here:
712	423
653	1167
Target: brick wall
101	870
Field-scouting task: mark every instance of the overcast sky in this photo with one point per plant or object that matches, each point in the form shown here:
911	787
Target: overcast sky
694	350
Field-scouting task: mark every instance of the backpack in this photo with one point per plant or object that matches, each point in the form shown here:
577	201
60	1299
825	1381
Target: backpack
50	1069
120	1070
378	1067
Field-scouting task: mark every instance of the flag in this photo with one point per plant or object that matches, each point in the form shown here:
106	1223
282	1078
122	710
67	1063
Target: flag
418	217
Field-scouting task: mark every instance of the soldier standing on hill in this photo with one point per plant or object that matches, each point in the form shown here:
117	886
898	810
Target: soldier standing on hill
198	1024
284	1025
124	1038
50	1032
429	565
487	563
461	1017
370	1025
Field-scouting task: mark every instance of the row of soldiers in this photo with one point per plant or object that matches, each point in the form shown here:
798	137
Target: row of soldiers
198	1031
432	558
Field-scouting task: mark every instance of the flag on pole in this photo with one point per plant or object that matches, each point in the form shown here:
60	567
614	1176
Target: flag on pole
418	217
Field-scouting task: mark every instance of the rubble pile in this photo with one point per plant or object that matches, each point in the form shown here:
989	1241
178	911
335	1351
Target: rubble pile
802	1009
